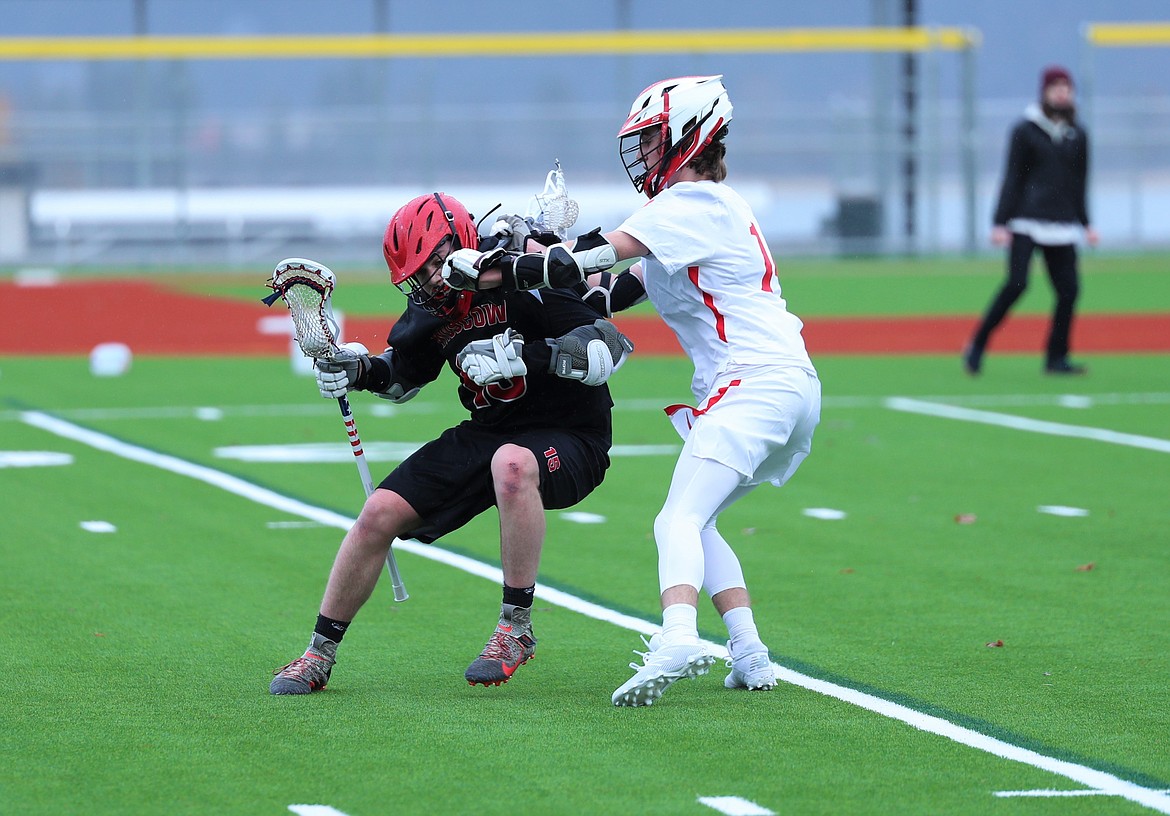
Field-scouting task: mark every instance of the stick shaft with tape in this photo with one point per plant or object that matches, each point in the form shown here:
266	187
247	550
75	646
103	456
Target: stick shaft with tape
359	455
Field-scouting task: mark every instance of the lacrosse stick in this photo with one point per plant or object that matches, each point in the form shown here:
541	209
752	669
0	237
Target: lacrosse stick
306	288
552	209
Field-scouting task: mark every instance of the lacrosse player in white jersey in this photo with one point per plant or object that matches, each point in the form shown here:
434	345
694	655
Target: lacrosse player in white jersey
705	266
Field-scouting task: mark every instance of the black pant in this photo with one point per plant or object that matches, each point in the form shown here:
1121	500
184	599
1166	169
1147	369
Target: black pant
1062	270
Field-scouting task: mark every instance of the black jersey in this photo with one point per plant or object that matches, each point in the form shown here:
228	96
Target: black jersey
422	343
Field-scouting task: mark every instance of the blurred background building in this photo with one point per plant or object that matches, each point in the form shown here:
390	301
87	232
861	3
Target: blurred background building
187	158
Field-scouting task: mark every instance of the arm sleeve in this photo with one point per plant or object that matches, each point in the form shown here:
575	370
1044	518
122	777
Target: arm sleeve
386	372
1013	178
411	356
1083	182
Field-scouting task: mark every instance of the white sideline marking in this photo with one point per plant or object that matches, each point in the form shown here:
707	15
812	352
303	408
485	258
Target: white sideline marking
188	412
1055	793
33	459
825	513
317	452
644	450
315	810
1061	510
290	525
735	806
1089	777
914	406
580	517
381	408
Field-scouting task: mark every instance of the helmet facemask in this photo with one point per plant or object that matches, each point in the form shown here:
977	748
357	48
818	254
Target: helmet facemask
426	287
632	151
673	157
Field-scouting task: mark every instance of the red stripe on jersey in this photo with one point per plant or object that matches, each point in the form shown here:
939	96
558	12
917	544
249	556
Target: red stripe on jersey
693	274
718	396
671	410
769	264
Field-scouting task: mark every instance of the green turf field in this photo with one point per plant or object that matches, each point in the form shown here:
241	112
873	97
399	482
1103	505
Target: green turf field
137	659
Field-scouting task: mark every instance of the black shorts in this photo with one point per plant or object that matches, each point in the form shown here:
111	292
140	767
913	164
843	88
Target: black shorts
448	482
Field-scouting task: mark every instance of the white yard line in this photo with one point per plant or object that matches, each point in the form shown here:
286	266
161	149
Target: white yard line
651	405
1018	423
1054	794
735	806
1091	778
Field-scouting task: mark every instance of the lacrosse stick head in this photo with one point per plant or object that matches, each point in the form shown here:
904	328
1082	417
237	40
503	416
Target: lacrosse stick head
552	209
306	288
418	231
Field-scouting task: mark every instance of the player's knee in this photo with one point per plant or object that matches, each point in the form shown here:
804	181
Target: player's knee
386	515
672	528
514	470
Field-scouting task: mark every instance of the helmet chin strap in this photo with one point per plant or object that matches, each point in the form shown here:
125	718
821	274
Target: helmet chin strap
668	156
455	242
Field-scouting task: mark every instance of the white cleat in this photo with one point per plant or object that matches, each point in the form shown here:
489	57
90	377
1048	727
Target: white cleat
661	666
753	671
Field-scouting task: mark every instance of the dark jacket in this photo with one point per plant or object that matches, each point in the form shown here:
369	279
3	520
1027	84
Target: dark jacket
1045	177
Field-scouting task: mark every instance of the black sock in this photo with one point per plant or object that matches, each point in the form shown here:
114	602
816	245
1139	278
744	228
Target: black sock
521	597
332	629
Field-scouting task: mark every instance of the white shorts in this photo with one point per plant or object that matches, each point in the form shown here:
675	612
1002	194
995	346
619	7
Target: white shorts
756	419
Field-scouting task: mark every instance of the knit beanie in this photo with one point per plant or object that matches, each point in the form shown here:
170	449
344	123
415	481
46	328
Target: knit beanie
1054	73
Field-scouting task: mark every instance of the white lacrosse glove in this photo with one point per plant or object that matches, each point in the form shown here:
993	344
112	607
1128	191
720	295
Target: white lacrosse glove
493	360
464	266
512	232
341	373
590	354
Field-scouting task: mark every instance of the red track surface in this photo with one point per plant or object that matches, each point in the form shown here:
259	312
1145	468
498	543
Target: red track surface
73	317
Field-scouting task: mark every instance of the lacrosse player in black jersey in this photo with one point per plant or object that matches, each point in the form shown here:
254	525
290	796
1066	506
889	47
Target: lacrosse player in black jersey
532	369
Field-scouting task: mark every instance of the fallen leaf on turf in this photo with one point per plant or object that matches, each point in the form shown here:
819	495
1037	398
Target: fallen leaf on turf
1092	565
965	518
995	644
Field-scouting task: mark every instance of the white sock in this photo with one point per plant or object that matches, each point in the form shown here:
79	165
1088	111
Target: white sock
741	628
680	624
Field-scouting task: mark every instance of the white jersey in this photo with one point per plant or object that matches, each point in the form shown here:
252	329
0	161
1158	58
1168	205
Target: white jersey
712	279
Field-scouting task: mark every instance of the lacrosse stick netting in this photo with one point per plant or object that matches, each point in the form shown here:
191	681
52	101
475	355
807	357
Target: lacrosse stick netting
306	288
552	209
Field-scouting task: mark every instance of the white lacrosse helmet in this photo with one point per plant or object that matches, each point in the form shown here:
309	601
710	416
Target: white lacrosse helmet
687	111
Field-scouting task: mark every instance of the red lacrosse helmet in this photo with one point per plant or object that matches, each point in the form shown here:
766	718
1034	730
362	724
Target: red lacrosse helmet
687	112
413	235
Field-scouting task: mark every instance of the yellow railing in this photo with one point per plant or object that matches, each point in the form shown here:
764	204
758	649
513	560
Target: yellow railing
1128	35
541	44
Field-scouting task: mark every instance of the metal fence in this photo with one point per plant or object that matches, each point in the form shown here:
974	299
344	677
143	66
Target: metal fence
152	169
